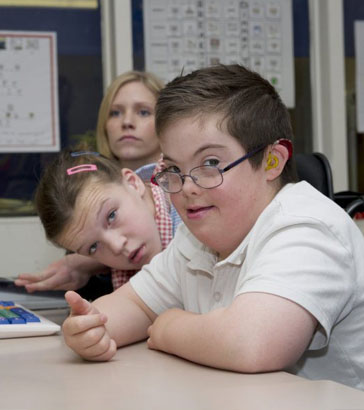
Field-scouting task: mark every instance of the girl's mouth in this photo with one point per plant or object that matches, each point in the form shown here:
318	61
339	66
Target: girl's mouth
136	256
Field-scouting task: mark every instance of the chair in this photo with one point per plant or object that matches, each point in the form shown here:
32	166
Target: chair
315	168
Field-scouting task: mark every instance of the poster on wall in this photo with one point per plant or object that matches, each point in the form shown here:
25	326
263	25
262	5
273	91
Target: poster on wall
29	119
359	69
90	4
184	35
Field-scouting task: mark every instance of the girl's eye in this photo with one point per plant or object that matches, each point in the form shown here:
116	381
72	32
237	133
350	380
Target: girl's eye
144	113
92	249
111	217
211	162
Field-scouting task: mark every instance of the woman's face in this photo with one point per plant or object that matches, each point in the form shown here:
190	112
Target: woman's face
130	126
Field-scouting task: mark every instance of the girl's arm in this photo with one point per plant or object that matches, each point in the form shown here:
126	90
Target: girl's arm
68	273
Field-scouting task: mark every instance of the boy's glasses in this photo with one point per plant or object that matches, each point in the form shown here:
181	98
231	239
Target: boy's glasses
205	176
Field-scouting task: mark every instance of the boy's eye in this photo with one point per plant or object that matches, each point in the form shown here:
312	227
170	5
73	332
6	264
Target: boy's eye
111	217
211	162
172	168
92	248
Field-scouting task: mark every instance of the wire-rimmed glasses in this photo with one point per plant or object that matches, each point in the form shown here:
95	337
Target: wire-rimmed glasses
204	176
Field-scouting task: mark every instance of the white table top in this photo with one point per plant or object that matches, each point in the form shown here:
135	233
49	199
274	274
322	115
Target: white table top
42	373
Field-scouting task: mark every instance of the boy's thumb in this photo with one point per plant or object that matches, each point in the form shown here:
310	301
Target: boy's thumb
78	305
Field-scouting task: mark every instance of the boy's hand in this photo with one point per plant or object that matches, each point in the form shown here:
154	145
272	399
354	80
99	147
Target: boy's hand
84	330
162	327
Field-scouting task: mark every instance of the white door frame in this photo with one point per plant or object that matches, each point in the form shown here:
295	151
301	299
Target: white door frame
328	86
117	40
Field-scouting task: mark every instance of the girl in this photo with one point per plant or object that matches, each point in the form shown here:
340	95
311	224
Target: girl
126	133
106	215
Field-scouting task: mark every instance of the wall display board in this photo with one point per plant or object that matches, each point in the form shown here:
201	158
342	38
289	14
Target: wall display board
359	52
50	3
189	34
29	119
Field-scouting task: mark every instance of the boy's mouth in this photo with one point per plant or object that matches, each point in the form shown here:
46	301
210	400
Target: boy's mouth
198	212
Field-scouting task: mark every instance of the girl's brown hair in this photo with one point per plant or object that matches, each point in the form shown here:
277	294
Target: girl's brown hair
60	186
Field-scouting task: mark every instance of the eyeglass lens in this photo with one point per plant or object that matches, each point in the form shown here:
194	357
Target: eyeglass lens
204	176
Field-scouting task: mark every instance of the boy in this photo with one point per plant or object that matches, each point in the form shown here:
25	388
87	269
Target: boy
266	274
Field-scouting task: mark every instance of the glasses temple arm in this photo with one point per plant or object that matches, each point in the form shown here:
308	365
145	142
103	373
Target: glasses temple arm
248	155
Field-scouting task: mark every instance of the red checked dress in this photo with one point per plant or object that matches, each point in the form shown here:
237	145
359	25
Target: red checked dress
163	219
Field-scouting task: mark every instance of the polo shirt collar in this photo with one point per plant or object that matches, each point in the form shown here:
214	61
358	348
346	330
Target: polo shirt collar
204	259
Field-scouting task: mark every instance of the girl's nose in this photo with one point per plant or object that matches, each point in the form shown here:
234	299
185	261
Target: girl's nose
115	242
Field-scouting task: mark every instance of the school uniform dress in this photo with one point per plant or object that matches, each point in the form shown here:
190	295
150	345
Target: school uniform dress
304	248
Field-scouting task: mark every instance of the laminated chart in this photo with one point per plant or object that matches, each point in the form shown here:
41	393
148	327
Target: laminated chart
184	35
29	120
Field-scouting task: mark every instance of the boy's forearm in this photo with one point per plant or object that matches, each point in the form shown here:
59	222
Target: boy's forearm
257	333
127	321
200	338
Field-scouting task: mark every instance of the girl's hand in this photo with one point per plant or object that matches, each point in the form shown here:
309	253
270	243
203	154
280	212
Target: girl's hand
69	273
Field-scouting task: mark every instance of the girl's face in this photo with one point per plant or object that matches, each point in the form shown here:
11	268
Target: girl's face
130	126
114	224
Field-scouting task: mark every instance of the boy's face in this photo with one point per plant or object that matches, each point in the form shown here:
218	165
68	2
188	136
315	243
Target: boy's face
114	224
220	217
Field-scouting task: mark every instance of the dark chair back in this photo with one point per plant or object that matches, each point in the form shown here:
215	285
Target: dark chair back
315	169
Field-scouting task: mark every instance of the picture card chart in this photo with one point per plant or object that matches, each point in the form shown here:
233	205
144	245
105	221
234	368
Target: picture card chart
28	92
359	70
190	34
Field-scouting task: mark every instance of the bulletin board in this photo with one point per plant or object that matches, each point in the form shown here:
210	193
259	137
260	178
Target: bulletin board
28	92
190	34
78	82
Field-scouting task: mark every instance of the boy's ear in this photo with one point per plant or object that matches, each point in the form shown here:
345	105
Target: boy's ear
275	160
133	180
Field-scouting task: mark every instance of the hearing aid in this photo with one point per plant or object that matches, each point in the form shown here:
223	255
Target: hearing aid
272	162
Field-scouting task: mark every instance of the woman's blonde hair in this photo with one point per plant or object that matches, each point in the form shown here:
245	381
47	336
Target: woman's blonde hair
152	82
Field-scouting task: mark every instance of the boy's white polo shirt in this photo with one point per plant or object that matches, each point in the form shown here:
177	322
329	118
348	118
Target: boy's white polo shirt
303	247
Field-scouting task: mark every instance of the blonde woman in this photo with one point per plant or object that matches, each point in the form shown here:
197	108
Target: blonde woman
125	127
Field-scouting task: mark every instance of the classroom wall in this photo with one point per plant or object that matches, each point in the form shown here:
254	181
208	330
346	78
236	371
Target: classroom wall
80	85
24	236
24	247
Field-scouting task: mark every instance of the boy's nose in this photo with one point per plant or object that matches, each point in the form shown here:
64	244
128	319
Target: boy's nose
189	186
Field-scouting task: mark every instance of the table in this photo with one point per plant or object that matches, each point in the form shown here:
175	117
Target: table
42	373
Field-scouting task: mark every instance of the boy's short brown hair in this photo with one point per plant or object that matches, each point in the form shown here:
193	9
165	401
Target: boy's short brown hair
250	107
